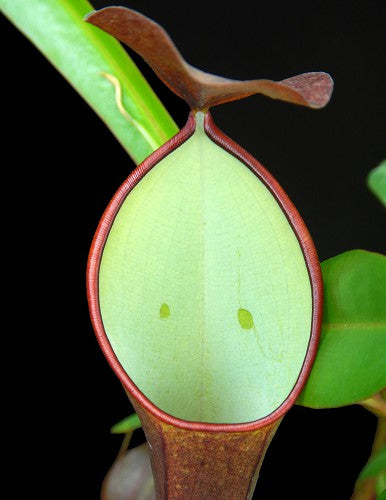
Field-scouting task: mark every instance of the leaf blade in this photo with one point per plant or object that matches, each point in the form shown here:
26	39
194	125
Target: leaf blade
128	424
382	496
81	53
349	366
376	181
375	466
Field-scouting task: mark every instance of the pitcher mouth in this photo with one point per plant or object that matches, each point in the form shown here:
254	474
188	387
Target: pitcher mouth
305	243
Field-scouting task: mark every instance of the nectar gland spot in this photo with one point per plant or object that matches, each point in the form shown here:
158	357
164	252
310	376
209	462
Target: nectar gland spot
164	311
245	319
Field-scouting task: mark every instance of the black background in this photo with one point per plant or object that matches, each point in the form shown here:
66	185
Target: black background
59	148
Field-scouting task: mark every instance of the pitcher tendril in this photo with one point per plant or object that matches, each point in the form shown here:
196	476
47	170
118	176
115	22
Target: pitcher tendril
118	100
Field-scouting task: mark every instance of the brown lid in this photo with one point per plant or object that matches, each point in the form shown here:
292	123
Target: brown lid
199	89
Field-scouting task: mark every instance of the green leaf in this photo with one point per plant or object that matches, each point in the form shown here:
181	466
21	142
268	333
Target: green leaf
376	181
380	481
382	496
351	360
82	53
374	466
128	424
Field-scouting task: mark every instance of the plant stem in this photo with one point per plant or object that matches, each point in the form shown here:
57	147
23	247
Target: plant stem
365	489
125	444
376	404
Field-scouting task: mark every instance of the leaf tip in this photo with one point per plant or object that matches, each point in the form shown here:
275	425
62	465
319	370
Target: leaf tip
128	424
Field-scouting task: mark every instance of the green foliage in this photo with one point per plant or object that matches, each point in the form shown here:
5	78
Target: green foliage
382	496
375	466
376	181
351	360
128	424
82	52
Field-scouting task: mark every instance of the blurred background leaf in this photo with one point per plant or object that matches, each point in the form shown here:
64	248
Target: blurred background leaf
128	424
375	466
82	52
130	477
376	181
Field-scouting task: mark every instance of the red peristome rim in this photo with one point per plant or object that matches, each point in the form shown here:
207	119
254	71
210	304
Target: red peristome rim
297	225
